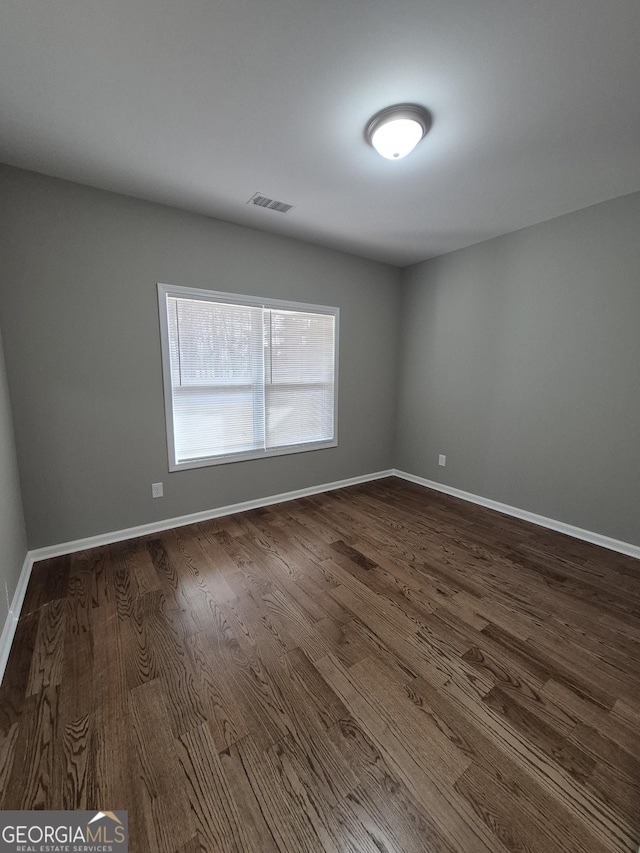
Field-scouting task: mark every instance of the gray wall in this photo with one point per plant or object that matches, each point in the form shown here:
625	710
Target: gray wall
13	542
520	359
521	362
78	307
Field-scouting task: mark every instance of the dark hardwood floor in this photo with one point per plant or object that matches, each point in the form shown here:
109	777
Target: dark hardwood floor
381	668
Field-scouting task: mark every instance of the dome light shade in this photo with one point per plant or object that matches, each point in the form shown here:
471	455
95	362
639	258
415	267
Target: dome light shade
396	138
395	131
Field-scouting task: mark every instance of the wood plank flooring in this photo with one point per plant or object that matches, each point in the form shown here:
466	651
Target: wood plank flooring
381	668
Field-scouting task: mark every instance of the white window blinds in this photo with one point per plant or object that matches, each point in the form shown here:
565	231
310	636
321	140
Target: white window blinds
245	379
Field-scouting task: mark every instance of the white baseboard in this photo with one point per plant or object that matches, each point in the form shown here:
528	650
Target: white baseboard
541	520
11	623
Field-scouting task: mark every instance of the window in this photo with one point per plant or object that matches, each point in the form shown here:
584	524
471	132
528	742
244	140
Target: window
244	377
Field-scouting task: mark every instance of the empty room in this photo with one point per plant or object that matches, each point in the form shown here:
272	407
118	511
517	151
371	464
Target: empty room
320	426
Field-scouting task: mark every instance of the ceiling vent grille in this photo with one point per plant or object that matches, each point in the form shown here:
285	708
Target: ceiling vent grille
270	203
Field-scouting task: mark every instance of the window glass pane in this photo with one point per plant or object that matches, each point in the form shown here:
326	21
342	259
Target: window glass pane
302	347
299	393
299	413
216	356
210	421
215	342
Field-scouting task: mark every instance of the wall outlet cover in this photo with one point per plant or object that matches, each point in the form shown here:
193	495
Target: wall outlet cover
156	490
442	459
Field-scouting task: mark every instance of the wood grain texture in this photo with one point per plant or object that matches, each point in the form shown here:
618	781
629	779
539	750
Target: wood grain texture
380	668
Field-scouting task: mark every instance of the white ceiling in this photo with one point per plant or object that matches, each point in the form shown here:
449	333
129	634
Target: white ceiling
202	103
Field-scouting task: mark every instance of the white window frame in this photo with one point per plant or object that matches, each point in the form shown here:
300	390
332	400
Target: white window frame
165	290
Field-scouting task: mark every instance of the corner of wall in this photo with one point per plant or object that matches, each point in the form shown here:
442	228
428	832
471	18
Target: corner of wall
14	559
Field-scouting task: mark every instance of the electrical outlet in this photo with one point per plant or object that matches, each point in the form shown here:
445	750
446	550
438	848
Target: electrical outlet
442	460
156	490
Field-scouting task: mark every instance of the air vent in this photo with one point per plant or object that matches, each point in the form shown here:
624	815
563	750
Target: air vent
270	203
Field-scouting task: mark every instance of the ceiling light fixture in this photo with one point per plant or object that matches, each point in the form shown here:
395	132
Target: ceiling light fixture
395	131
